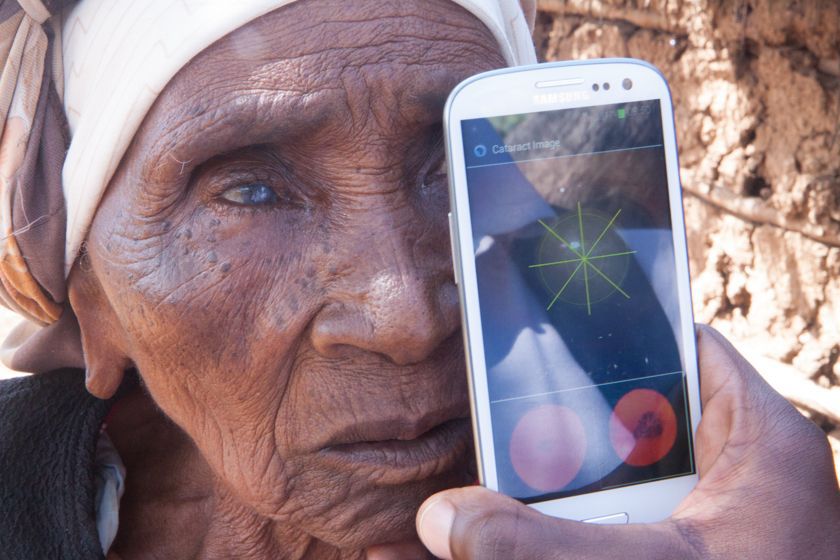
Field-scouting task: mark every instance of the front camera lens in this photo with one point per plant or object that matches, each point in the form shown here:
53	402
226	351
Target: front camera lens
627	83
595	87
606	85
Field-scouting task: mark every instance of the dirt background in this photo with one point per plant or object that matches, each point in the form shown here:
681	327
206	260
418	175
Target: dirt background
756	88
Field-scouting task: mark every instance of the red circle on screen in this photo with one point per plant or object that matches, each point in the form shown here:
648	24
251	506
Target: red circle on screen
643	427
547	447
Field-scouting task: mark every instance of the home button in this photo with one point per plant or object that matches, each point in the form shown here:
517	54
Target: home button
614	519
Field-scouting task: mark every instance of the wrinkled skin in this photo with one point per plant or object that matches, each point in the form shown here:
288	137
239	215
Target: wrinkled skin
272	256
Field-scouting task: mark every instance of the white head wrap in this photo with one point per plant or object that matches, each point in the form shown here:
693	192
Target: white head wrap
105	61
120	54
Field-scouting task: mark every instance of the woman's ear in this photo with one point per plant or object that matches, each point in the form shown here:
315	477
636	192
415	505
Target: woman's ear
103	342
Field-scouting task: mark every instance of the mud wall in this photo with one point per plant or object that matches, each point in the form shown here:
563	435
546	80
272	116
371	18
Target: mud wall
756	87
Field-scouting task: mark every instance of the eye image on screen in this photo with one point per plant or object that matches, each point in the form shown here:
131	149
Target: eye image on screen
579	308
579	273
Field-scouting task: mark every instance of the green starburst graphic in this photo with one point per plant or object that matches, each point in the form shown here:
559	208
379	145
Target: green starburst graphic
582	273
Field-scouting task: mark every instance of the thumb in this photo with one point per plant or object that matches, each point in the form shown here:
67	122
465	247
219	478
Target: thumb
477	523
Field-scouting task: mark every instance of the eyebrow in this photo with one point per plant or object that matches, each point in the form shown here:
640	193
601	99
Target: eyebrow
429	98
246	118
272	117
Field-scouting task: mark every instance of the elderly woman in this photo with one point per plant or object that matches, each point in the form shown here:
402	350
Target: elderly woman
225	224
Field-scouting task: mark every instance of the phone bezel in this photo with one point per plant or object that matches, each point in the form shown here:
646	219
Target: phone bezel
512	91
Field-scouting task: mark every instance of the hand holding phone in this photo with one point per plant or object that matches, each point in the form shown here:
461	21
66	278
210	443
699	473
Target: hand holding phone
569	251
767	490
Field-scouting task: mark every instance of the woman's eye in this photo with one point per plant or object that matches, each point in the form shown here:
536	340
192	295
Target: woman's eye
436	174
254	194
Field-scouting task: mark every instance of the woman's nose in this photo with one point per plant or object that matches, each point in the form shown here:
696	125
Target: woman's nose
402	314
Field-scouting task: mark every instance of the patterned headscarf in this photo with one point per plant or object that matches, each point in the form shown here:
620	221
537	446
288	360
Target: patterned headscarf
77	82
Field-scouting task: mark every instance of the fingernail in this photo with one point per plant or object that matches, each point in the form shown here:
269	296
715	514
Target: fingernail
434	525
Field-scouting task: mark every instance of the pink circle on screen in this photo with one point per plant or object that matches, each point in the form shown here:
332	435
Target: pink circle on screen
547	447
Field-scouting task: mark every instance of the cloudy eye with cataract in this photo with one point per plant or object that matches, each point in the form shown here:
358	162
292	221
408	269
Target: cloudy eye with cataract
436	175
254	194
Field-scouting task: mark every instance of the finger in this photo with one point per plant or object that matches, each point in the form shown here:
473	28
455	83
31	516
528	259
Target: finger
738	405
398	551
720	386
477	523
722	365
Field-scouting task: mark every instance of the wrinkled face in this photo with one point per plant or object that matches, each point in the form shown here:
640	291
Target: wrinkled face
275	250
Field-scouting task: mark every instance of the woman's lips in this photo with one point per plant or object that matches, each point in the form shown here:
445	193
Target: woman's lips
401	460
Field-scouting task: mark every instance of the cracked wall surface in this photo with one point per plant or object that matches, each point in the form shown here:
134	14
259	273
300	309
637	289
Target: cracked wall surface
756	87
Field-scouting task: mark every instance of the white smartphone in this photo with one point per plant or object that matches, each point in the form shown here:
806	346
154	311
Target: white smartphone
570	255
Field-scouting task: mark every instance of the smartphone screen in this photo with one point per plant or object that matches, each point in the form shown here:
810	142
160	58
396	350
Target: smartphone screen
578	299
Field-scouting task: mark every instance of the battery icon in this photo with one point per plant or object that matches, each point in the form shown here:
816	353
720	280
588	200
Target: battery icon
620	113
